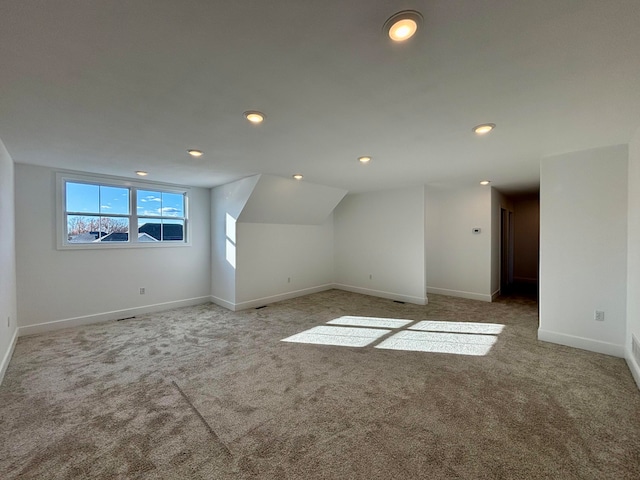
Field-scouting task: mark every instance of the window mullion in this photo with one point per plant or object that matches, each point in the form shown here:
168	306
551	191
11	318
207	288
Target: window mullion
96	214
133	217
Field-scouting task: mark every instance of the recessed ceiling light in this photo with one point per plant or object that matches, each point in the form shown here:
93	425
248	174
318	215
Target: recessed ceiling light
483	128
364	160
402	25
254	116
195	153
485	182
298	176
141	173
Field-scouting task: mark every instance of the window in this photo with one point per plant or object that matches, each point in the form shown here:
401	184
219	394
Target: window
160	215
97	212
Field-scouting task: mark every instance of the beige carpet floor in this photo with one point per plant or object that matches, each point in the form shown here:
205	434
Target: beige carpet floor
202	392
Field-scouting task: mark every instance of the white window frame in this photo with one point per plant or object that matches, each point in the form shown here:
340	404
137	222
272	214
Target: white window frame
133	185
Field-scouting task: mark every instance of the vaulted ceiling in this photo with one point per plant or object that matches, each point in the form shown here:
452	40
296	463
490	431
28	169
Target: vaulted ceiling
117	86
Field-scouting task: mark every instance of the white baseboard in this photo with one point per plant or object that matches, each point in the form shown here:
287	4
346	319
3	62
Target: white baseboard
459	293
106	316
495	295
7	356
633	366
259	302
582	343
224	303
378	293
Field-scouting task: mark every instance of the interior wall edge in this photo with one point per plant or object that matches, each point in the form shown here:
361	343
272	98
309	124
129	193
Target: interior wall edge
7	357
582	343
633	366
108	316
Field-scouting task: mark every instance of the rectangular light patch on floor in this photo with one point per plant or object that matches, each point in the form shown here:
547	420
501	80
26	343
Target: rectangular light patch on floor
370	322
341	336
458	327
453	343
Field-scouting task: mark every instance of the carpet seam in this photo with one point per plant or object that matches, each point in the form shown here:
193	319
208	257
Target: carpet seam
203	420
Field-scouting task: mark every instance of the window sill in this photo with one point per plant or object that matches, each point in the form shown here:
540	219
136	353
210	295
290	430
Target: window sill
116	246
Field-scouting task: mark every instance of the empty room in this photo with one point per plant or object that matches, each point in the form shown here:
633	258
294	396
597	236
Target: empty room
320	240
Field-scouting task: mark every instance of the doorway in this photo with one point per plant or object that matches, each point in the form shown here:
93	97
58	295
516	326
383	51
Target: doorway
506	251
520	246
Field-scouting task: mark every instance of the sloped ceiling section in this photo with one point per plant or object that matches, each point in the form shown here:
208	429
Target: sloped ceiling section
237	194
286	201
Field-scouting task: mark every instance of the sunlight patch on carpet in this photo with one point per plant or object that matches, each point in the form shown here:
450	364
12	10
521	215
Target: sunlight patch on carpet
431	336
452	343
459	327
370	322
341	336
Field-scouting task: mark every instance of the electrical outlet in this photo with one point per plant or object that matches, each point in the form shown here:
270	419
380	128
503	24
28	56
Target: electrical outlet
370	277
288	279
598	315
142	291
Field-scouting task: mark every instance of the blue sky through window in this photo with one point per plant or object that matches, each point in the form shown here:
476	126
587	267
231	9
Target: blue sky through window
161	204
87	198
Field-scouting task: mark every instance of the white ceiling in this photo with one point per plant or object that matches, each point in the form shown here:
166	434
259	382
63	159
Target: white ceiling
116	86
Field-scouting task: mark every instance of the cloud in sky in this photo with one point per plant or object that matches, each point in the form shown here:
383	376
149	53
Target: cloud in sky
170	211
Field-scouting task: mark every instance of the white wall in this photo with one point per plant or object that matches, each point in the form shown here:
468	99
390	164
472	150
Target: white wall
459	262
276	262
633	255
227	202
272	239
8	305
583	248
73	287
382	234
